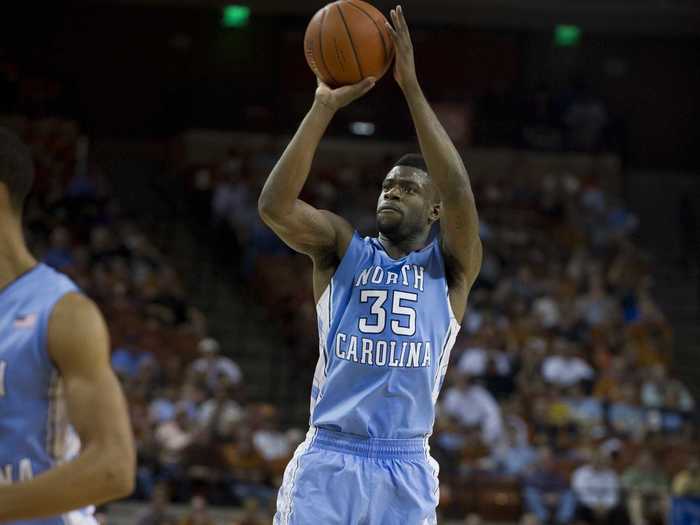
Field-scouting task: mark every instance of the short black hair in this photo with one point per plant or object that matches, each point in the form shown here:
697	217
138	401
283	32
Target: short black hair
16	167
413	160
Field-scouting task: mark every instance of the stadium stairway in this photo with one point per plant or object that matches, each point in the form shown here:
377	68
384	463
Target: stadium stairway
147	189
655	198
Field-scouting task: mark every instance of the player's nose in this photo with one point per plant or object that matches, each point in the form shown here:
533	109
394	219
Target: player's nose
391	194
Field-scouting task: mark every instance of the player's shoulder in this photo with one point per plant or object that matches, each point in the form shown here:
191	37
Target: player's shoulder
76	329
76	310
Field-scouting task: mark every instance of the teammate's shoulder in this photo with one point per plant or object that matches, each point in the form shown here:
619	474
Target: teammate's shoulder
75	305
75	326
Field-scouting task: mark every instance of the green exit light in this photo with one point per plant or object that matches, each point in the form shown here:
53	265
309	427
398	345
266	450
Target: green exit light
235	16
567	35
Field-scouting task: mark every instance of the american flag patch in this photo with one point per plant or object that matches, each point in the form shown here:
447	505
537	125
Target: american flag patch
25	321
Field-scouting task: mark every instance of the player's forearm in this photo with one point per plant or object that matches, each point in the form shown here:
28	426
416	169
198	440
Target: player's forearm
96	476
444	162
285	182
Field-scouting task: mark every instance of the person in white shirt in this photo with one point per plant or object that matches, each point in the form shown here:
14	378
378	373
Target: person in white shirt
597	490
173	437
475	362
565	368
214	366
219	415
472	405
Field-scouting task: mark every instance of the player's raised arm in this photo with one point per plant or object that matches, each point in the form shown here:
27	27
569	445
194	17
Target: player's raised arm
78	344
459	221
304	228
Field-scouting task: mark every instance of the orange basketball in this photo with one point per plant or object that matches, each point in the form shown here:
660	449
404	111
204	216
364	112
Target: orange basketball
347	41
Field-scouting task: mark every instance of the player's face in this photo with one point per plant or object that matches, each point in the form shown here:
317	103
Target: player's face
406	203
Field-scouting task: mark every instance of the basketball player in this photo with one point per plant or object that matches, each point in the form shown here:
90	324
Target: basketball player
388	311
54	369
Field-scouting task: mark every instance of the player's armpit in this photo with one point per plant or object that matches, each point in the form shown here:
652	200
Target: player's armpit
317	233
78	344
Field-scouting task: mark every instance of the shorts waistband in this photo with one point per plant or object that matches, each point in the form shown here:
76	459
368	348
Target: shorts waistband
377	448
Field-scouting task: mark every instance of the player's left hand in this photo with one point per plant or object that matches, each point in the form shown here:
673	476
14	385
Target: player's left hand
404	66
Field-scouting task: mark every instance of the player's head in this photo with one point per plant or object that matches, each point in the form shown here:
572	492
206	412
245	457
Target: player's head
16	172
409	202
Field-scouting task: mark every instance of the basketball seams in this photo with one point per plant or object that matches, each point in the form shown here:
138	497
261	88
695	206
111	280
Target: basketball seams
385	47
352	44
310	44
320	45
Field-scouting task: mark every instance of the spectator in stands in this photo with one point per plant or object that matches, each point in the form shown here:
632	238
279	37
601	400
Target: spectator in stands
252	515
625	415
652	393
610	381
596	307
530	519
213	367
163	407
217	416
514	457
546	491
473	519
198	515
597	490
60	254
686	484
173	438
271	443
683	398
472	405
646	488
247	467
564	367
586	411
157	513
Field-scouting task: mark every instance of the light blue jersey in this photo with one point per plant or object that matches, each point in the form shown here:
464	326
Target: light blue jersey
386	329
34	431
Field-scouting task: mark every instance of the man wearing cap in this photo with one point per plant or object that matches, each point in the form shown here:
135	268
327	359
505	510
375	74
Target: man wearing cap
214	366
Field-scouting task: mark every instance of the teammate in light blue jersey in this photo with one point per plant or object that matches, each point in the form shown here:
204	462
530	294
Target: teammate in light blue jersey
57	389
388	312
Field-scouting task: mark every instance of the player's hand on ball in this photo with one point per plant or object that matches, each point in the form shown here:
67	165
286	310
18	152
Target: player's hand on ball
404	67
335	99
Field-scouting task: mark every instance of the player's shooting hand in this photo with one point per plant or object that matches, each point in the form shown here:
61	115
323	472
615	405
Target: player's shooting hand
404	67
334	99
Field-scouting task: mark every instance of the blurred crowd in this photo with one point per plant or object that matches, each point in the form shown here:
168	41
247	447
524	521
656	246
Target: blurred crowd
562	405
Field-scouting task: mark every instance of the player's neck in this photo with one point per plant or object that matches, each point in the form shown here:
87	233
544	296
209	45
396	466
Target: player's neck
15	258
399	249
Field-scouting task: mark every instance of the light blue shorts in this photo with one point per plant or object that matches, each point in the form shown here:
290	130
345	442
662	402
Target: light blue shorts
341	479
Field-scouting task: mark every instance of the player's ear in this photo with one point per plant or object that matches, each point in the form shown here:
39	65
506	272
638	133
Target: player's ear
435	210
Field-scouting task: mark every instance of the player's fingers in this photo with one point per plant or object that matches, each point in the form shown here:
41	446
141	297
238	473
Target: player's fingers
399	21
367	84
403	26
392	33
360	88
364	86
394	19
